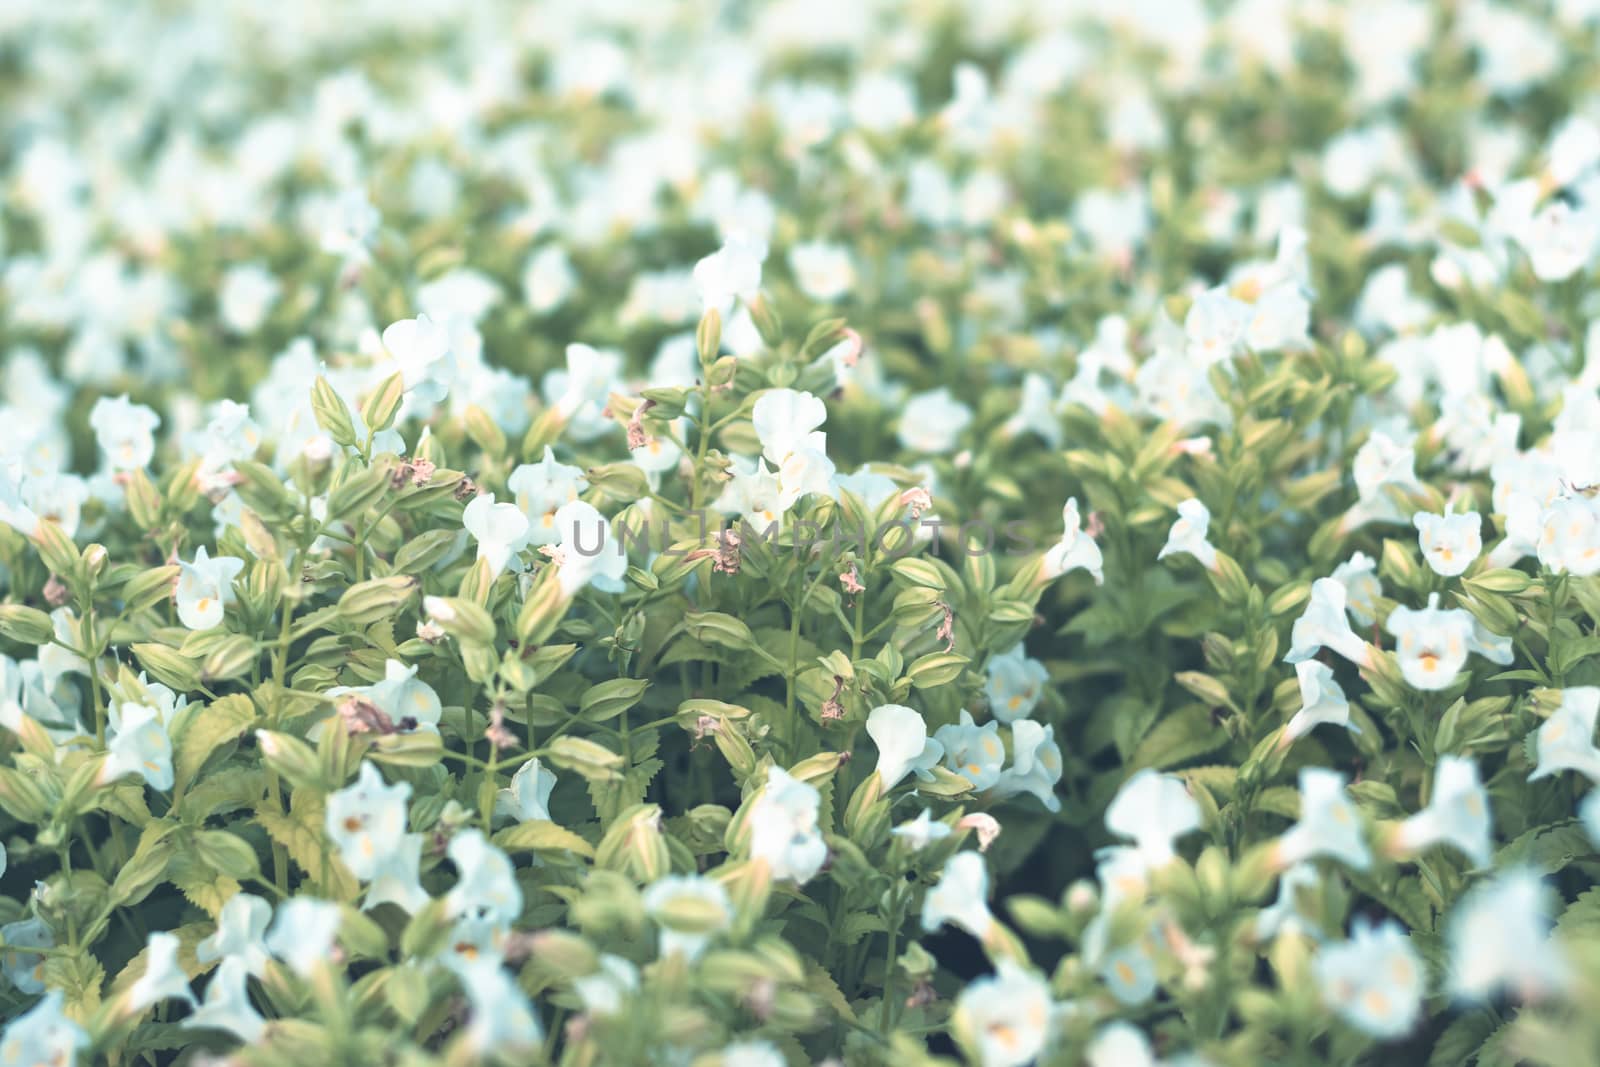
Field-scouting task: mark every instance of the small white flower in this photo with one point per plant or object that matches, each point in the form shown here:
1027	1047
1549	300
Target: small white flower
162	977
1076	549
1457	813
922	831
1566	739
1005	1018
303	933
1323	624
732	272
125	432
1154	810
783	827
1328	826
932	422
961	897
904	746
1321	701
1449	542
1188	535
501	530
528	795
205	588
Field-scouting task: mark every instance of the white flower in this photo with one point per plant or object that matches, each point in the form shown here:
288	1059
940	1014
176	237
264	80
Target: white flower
501	530
205	588
1500	940
783	828
541	489
528	795
960	898
1328	826
1449	542
823	271
1035	764
422	353
162	977
931	423
732	272
1569	535
1432	644
1375	981
125	432
1154	810
1323	624
1457	813
548	279
43	1035
1359	576
786	423
590	553
689	909
303	933
1076	549
486	886
241	930
140	746
1321	701
604	991
1560	240
367	820
1566	739
1005	1018
246	298
501	1019
904	746
922	831
1188	535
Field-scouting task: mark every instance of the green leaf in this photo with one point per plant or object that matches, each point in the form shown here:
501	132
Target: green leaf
1186	734
205	731
299	831
541	835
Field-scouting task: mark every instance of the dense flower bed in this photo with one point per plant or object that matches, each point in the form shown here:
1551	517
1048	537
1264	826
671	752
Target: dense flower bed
734	533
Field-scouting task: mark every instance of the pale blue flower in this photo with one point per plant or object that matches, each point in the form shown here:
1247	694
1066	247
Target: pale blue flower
1374	981
501	1018
1324	624
1075	551
501	530
1015	682
972	751
1035	764
43	1035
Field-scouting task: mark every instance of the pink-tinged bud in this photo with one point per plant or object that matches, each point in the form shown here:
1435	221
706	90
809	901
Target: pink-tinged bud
986	826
